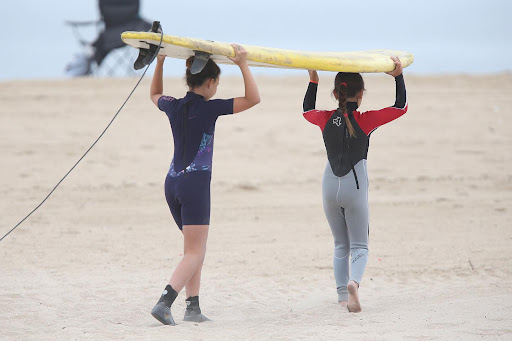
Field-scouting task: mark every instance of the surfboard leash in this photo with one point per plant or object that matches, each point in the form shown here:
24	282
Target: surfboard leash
149	58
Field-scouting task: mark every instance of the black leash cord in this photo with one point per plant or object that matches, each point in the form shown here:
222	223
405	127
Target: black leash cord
122	106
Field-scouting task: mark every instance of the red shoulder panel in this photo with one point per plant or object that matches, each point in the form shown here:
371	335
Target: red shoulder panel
318	117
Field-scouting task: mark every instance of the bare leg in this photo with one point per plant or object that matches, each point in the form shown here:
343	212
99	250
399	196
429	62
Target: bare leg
193	257
354	306
194	283
191	263
193	312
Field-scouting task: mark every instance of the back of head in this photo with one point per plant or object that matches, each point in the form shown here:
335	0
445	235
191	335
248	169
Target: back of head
352	82
210	71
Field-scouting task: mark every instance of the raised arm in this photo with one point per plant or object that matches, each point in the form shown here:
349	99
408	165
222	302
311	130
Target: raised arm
371	120
157	84
310	97
252	95
401	97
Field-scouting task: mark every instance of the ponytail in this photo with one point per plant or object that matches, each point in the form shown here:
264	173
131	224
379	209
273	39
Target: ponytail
342	99
347	85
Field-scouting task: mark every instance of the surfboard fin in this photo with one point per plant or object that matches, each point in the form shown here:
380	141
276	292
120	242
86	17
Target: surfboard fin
146	56
200	60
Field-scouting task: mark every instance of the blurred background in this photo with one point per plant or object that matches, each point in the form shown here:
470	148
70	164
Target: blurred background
459	36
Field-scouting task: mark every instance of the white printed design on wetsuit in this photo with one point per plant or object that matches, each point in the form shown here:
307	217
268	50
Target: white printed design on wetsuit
337	121
202	160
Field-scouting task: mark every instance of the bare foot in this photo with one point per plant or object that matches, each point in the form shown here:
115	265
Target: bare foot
354	306
343	303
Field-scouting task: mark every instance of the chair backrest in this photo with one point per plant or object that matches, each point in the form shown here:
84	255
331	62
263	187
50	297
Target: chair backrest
118	12
118	16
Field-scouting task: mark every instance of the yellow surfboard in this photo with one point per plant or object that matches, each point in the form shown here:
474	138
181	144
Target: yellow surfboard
357	61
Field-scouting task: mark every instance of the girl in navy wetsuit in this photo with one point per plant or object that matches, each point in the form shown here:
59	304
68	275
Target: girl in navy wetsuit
187	185
346	133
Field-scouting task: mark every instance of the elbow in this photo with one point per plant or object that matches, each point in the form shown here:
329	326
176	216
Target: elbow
254	101
403	110
154	98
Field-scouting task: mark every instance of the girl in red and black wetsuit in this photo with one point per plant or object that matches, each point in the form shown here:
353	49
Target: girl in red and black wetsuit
346	133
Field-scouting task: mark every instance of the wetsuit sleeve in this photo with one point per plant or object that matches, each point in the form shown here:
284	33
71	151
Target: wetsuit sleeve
310	97
165	103
212	109
221	107
317	117
401	98
371	120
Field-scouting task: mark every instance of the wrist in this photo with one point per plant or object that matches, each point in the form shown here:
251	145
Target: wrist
243	65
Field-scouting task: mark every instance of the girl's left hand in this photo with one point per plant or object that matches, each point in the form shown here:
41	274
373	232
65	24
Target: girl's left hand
240	55
313	76
398	67
160	58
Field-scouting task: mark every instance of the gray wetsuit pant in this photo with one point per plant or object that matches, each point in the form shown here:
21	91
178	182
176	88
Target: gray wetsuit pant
346	209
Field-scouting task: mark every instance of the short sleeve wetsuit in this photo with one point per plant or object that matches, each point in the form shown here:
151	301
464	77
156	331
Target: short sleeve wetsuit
345	180
187	184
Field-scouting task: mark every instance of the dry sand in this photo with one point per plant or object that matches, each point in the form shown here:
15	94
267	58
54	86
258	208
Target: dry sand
93	260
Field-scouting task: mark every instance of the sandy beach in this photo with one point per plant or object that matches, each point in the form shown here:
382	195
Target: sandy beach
93	260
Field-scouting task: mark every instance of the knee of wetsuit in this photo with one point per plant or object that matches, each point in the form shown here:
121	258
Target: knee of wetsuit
355	254
341	251
359	258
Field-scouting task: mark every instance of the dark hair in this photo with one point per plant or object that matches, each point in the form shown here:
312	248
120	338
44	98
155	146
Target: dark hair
210	71
347	85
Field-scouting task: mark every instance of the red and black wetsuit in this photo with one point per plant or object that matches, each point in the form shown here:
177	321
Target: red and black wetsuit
345	202
344	151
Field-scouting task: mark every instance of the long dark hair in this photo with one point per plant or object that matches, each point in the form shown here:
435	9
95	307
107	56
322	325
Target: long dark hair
347	85
210	71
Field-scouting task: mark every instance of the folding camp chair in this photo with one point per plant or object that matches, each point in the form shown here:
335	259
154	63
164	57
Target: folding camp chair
117	16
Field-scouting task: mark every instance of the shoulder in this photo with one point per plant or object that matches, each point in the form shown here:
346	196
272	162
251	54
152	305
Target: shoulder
372	119
318	117
315	114
164	98
217	106
166	102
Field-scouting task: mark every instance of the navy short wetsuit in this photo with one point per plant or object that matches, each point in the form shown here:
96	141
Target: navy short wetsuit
187	185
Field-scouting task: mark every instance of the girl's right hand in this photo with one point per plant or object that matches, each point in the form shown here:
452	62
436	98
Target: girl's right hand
398	67
240	55
313	76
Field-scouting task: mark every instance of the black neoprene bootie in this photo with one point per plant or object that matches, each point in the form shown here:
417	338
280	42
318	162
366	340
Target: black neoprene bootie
193	312
162	310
